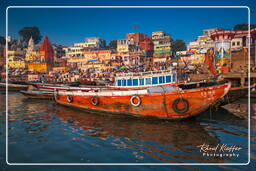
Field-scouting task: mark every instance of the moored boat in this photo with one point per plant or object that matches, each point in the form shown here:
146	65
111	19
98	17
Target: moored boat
38	94
64	87
144	79
234	94
12	87
170	102
128	81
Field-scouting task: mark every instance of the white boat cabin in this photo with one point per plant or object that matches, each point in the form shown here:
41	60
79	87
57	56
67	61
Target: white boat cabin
146	79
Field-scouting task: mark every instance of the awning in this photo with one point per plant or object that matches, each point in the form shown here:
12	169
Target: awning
93	60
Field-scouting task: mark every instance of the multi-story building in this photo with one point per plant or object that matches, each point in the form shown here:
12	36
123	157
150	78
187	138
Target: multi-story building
162	46
92	43
126	45
162	42
46	58
59	51
46	51
16	56
31	52
91	56
95	43
74	51
144	43
16	59
100	56
204	41
104	56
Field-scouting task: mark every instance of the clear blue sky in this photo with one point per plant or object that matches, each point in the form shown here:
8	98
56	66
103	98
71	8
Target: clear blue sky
67	26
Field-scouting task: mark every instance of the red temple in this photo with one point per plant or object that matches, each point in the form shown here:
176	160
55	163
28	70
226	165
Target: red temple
46	51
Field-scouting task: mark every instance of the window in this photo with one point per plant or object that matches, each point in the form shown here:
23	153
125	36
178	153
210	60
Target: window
148	81
135	82
238	43
161	79
118	82
174	77
233	43
123	82
168	79
129	82
141	81
155	80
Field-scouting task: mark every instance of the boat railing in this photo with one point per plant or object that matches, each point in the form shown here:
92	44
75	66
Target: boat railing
143	73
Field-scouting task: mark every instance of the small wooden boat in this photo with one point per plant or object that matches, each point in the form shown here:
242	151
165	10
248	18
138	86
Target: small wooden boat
38	94
12	87
168	102
234	94
64	87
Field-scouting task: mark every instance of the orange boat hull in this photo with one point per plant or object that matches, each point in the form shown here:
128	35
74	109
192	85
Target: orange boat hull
155	104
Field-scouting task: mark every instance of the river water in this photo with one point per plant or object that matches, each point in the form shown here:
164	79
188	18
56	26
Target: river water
41	131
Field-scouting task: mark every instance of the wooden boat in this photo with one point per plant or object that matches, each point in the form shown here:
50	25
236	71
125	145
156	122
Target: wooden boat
12	87
234	94
64	87
128	81
168	102
38	94
144	79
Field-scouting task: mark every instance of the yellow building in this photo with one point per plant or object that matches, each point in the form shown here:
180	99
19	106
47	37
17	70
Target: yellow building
192	59
59	69
39	67
31	56
123	48
96	66
15	59
16	64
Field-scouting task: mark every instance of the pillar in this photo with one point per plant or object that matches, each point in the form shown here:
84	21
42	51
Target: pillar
222	49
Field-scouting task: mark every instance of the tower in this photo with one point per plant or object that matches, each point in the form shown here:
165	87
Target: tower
46	52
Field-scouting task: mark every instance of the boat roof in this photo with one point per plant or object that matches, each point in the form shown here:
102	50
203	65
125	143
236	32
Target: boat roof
142	74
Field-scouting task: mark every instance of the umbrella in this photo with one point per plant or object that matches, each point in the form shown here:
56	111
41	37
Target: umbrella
123	67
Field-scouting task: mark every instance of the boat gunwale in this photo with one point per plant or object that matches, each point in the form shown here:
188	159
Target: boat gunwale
181	92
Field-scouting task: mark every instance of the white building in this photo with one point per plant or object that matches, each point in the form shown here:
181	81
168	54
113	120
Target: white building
125	45
74	51
94	43
204	41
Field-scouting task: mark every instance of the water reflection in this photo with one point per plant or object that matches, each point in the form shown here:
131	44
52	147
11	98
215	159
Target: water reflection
44	122
167	141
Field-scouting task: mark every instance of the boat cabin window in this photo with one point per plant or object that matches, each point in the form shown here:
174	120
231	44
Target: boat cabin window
118	82
148	81
129	82
155	80
174	78
168	79
141	81
123	82
135	82
161	79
